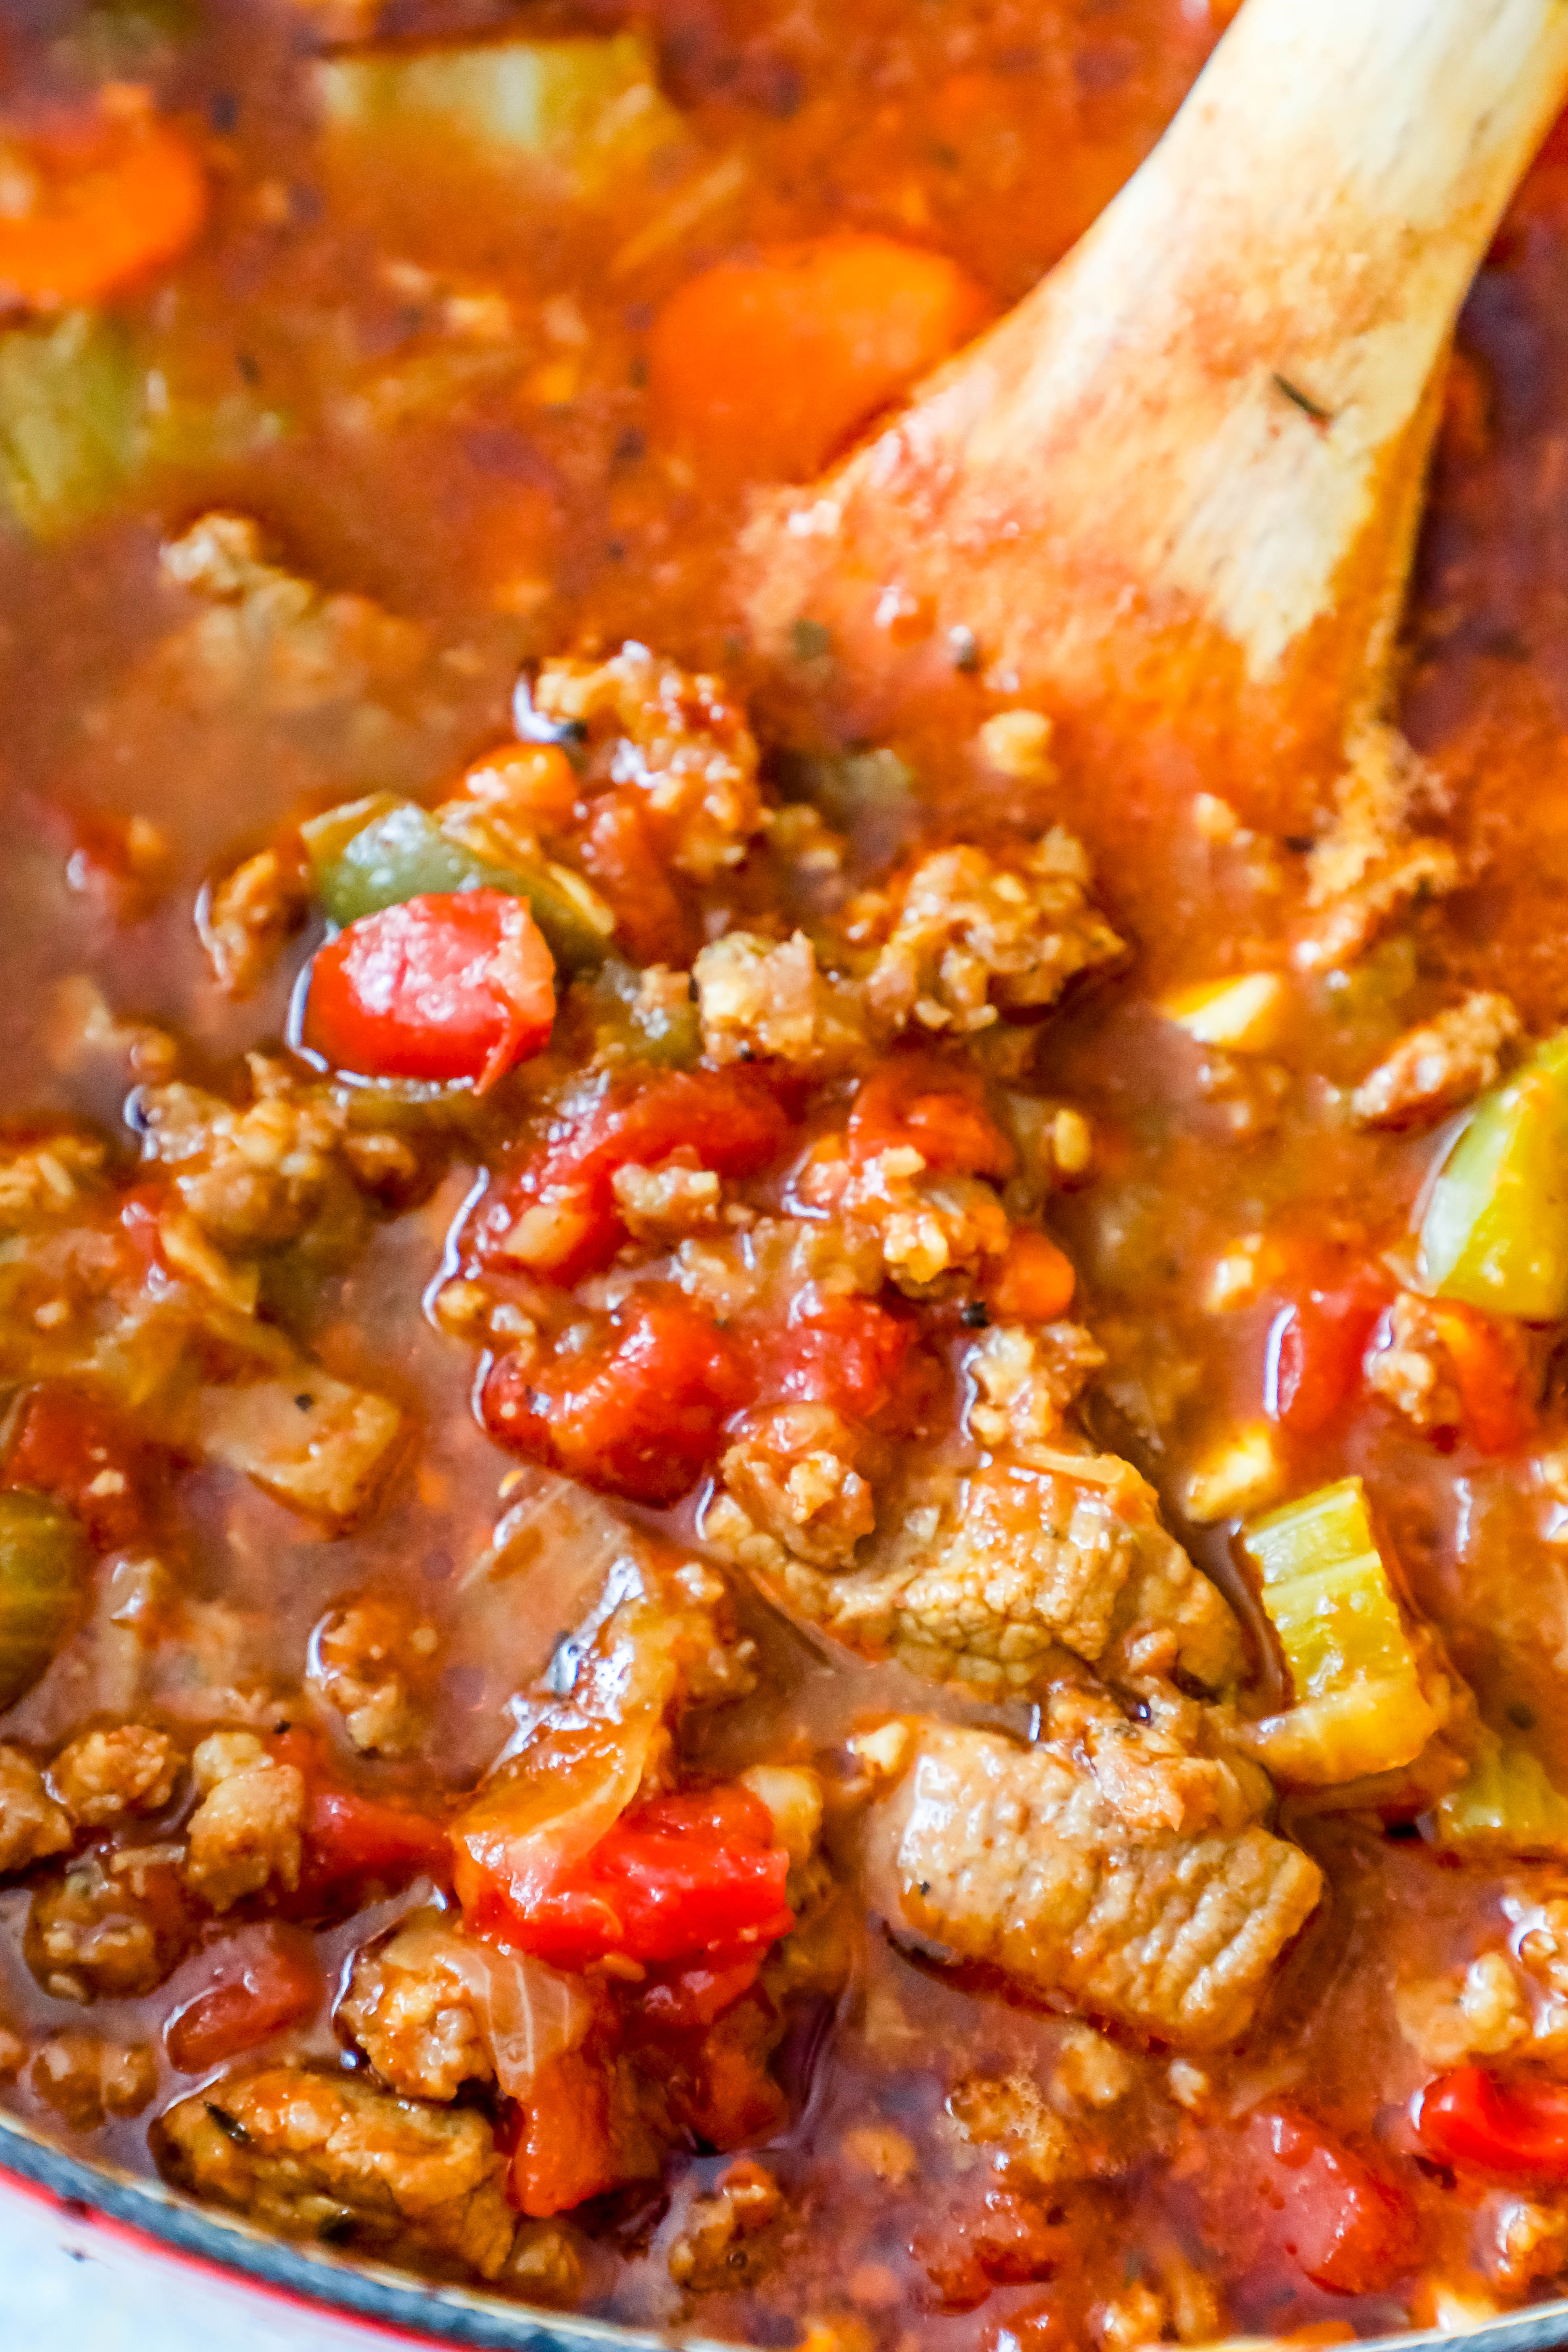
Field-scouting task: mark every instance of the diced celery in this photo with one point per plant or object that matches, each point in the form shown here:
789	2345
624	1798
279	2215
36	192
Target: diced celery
1360	1707
398	850
590	111
1496	1229
1325	1621
43	1565
70	420
1508	1804
328	835
669	1035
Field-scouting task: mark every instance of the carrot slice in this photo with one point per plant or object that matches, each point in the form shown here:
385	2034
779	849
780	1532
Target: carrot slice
96	204
764	368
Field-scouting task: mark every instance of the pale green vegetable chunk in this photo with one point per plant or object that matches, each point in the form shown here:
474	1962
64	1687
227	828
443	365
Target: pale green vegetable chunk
1360	1707
70	420
1507	1805
589	111
43	1569
1496	1229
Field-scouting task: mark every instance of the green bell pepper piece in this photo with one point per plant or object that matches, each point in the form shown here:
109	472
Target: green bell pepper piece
380	851
43	1572
1495	1232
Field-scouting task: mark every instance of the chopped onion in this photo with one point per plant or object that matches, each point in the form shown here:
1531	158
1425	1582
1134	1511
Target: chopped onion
529	2014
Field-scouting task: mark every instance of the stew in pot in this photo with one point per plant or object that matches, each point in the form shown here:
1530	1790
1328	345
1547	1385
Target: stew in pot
782	1530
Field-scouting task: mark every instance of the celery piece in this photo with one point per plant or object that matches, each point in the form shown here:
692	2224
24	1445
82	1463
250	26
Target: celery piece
1496	1229
670	1036
1507	1804
70	420
1360	1707
398	851
589	112
328	835
43	1569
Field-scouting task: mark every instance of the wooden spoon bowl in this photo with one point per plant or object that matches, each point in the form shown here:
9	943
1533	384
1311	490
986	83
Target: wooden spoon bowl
1170	501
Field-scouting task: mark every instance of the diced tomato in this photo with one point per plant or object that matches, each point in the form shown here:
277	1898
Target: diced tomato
620	853
1003	2240
677	1879
1033	1283
567	2144
679	1999
108	196
1489	1371
350	1838
1299	2191
77	1451
1518	2130
936	1107
1315	1351
458	985
733	2101
347	1838
264	1979
640	1412
846	1352
558	1216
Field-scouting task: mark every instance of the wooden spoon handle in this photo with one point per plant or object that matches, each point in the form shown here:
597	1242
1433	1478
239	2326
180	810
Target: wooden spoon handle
1176	488
1301	241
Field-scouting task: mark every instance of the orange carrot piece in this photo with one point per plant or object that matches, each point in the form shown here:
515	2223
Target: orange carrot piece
763	369
108	200
1035	1282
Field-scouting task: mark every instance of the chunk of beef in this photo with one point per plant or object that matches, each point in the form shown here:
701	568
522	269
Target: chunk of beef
792	1470
1372	863
433	2007
87	2079
675	738
369	1662
413	2008
710	2249
1098	1867
31	1824
1412	1369
1480	2011
769	1000
270	638
250	913
976	937
291	1161
314	2154
97	1932
1007	2113
1025	1379
1054	1549
666	1203
245	1833
1438	1066
101	1775
934	1231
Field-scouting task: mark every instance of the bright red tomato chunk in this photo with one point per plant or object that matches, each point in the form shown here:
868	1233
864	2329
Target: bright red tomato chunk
676	1878
639	1411
558	1216
458	985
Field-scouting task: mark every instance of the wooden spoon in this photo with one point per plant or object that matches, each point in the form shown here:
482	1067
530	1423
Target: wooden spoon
1170	501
